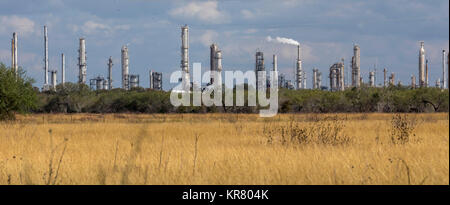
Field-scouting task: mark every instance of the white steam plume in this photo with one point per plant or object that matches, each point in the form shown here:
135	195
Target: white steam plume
283	40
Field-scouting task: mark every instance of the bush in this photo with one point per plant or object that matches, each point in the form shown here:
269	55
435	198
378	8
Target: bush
16	93
323	131
402	128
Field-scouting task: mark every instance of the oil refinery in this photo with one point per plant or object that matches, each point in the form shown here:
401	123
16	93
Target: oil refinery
338	80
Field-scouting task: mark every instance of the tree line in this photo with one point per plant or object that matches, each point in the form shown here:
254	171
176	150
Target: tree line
75	98
18	96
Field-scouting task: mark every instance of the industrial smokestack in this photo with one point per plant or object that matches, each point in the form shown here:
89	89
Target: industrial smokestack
185	56
443	84
82	62
372	79
259	67
356	65
53	75
218	61
125	61
426	73
63	69
413	81
45	56
334	70
110	65
275	63
299	70
385	77
151	79
215	62
314	78
212	63
14	65
12	52
341	76
422	82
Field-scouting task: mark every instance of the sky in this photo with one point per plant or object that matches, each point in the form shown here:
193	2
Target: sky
388	32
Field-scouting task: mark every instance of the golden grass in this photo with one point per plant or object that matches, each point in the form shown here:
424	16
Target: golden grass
230	149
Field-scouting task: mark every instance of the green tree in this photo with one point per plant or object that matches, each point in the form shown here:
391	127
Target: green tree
16	93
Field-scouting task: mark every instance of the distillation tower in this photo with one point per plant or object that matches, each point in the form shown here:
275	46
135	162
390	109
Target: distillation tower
356	67
82	62
422	82
185	57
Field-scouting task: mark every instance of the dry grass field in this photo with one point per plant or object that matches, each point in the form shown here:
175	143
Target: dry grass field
225	149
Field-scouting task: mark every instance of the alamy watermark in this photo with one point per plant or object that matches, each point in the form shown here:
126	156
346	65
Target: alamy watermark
257	90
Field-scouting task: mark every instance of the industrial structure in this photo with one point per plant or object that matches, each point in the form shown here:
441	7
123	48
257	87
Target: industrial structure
110	80
299	70
155	80
128	80
281	80
275	69
422	82
275	63
426	73
97	83
444	82
438	83
185	57
82	62
319	80
53	75
14	65
46	85
316	81
338	80
337	77
392	79
134	81
356	66
63	69
106	84
341	78
125	61
372	78
259	67
215	63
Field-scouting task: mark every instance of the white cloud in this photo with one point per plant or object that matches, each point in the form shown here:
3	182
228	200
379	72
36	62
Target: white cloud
208	37
255	13
22	25
92	27
203	11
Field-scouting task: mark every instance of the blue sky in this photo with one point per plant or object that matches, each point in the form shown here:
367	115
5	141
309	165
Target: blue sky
388	32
